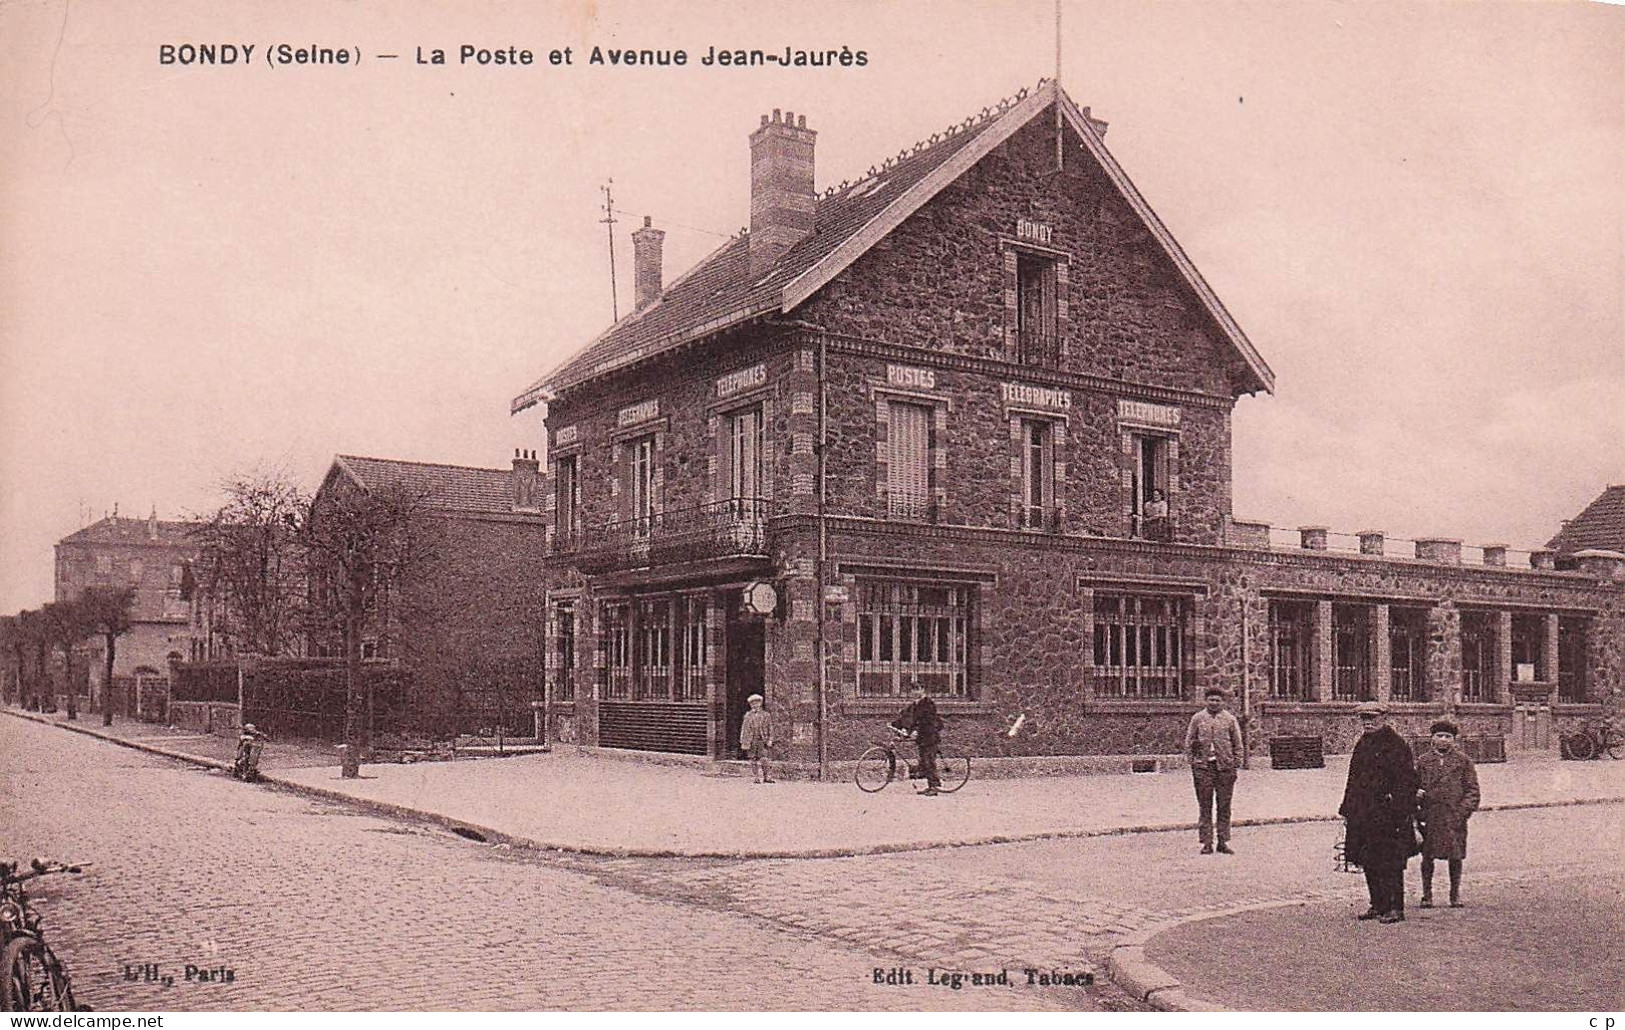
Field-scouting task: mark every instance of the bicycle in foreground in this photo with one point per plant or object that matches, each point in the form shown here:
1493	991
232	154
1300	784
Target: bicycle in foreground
881	764
1596	739
32	978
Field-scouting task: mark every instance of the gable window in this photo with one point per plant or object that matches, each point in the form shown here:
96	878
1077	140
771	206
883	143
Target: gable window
1291	633
1036	335
908	471
1037	441
564	642
640	455
1139	646
1407	636
1148	502
567	504
914	634
745	450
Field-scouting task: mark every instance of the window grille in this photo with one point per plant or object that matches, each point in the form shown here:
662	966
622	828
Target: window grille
914	634
651	681
1477	656
1571	660
1291	633
565	641
1351	653
689	674
1407	636
615	645
1139	646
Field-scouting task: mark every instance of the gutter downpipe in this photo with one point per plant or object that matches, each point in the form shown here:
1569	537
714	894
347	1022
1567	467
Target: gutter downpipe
823	560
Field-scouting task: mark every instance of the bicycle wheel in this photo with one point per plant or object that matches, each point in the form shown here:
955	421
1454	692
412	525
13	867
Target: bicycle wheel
1581	746
1615	744
32	981
875	769
953	770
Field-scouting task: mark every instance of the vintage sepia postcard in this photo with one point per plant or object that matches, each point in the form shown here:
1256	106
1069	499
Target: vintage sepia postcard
919	506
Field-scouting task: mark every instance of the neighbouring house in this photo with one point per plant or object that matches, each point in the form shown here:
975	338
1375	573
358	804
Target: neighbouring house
464	621
1600	527
965	424
155	557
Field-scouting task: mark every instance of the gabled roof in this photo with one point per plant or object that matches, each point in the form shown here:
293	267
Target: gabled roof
454	488
119	530
1601	526
720	291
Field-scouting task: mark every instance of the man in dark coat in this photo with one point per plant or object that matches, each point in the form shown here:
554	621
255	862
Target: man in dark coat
921	719
1377	808
1447	793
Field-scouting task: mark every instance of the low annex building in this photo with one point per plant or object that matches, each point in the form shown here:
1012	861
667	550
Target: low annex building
965	423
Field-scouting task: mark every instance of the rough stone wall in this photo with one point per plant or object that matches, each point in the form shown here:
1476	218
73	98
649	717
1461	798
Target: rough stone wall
939	280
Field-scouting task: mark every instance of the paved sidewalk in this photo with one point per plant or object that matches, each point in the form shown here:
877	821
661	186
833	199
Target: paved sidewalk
581	802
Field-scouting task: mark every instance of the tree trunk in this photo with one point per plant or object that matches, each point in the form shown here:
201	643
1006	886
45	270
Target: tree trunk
107	685
71	687
351	768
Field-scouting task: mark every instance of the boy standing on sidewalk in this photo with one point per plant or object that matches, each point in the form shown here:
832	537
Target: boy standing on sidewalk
755	737
1213	743
1447	793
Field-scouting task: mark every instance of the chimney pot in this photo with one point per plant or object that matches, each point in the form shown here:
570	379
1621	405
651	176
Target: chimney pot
648	245
782	201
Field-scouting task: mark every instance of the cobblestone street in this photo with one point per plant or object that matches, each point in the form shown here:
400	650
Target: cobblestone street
311	906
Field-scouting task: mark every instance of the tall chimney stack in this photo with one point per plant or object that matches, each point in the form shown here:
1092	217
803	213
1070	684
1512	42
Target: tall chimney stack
647	244
781	187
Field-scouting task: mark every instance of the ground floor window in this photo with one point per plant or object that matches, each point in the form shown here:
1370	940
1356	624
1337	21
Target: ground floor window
1292	632
1571	659
564	642
1351	652
1477	656
1407	643
655	649
1529	649
914	634
1139	646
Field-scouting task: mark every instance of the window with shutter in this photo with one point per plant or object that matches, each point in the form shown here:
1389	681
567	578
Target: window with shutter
909	461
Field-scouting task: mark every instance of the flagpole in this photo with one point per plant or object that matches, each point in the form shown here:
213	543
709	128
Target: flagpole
1060	158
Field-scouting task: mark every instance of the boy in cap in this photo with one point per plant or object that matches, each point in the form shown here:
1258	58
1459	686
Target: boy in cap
755	737
1447	793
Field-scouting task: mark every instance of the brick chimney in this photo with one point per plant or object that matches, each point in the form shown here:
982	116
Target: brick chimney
647	244
527	474
781	187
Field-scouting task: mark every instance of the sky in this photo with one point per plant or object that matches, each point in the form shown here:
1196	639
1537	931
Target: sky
1413	210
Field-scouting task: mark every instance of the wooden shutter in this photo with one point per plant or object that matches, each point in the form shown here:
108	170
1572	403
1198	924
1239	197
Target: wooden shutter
909	468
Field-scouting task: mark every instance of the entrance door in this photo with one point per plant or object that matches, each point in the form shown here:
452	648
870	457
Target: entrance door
747	642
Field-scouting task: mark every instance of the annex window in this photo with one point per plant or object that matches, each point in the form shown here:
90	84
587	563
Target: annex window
1407	642
1037	339
914	634
1148	484
640	458
1571	659
1139	646
1477	656
746	446
908	469
564	642
1351	652
1037	441
1292	630
567	507
615	649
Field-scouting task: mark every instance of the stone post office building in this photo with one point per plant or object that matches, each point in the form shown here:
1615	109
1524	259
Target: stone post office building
965	423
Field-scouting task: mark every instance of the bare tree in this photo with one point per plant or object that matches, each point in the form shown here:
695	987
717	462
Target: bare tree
11	646
105	612
360	545
250	567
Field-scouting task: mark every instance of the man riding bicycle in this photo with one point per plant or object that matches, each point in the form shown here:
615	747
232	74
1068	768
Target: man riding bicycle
921	720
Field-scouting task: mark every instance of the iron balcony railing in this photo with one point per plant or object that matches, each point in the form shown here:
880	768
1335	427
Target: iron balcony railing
1038	347
735	528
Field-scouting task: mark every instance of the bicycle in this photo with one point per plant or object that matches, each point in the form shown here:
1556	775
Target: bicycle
32	978
1595	738
879	765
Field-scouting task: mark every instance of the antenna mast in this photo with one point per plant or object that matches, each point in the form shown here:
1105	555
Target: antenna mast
609	222
1060	154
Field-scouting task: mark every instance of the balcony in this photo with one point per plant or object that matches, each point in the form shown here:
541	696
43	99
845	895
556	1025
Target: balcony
1038	347
727	529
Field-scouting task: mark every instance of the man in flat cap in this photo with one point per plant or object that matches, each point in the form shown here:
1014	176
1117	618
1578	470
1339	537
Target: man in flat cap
1447	793
1213	742
1378	805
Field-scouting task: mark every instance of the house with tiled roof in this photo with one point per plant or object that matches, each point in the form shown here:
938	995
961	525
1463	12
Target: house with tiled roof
1600	527
962	423
152	555
461	621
